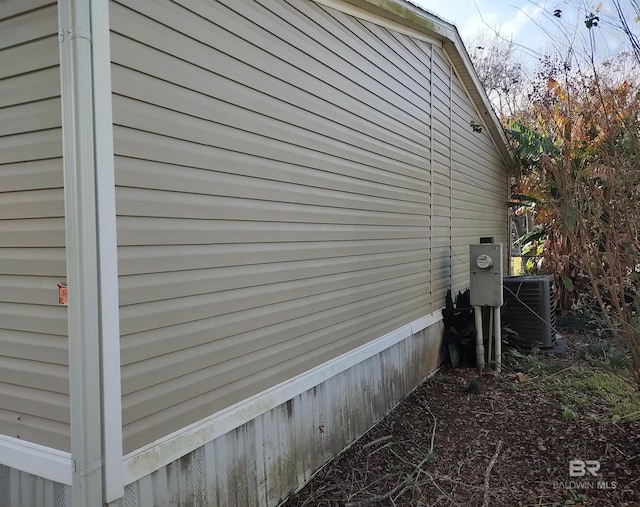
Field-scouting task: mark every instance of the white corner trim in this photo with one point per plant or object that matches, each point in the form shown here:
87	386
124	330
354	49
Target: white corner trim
36	459
82	240
157	454
107	252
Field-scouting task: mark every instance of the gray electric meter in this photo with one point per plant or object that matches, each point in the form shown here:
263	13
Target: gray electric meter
486	274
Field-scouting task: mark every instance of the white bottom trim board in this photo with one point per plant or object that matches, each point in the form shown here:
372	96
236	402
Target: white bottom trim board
36	459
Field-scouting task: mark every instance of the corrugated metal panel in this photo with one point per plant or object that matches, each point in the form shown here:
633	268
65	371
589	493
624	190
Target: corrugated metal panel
274	189
34	403
20	489
263	461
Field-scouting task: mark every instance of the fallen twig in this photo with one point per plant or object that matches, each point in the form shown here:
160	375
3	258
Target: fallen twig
487	473
379	448
437	486
377	441
435	422
376	499
416	468
446	478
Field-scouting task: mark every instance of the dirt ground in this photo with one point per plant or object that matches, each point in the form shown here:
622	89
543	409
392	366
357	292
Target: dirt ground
464	440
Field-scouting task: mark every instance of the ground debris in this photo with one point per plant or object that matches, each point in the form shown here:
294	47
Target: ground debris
506	445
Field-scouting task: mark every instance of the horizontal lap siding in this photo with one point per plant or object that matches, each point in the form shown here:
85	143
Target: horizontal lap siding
479	180
441	164
34	385
273	197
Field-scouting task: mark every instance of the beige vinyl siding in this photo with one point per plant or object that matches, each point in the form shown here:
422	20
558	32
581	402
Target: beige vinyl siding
479	181
441	166
273	197
34	401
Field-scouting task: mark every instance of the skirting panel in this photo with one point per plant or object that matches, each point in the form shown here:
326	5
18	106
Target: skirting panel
261	462
21	489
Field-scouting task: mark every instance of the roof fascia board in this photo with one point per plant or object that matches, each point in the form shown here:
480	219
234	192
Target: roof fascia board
380	18
406	14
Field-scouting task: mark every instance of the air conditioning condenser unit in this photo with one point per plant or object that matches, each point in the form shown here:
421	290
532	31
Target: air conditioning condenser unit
529	309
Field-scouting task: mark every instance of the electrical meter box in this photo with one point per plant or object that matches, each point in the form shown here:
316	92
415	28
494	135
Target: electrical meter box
486	274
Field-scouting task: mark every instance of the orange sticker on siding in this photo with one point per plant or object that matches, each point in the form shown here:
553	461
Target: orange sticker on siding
62	293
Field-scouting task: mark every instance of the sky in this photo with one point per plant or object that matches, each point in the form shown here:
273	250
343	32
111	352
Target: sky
531	23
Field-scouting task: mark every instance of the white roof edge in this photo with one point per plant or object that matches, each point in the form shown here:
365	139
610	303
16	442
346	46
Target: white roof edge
421	20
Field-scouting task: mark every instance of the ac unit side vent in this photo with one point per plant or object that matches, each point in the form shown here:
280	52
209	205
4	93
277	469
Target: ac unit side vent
529	309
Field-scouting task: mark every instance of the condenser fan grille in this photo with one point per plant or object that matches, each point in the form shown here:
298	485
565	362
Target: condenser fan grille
529	309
